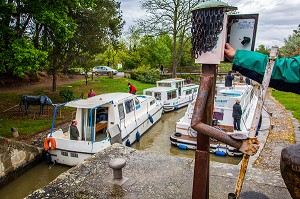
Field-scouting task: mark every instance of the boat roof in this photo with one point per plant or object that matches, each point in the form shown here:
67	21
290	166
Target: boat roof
171	80
160	89
99	100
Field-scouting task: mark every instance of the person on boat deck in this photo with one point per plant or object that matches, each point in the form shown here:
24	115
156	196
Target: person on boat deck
285	75
228	79
237	115
91	93
188	80
74	133
132	89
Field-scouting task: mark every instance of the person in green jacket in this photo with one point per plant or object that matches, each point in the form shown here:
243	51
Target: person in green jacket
74	133
285	75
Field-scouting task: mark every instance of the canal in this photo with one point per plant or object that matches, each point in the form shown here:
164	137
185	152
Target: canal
155	140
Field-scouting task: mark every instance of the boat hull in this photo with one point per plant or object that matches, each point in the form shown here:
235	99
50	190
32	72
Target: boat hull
186	142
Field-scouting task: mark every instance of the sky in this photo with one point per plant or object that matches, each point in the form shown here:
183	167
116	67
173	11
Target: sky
277	18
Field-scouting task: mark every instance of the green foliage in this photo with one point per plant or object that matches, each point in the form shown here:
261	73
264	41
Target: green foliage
146	74
262	49
289	100
292	45
67	94
22	57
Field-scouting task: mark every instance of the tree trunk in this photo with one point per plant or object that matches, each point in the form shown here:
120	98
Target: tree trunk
54	79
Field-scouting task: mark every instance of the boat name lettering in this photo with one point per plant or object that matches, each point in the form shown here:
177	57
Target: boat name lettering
221	101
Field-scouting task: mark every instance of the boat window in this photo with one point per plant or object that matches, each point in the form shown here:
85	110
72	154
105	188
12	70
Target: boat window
149	93
121	111
101	115
137	102
188	92
164	84
129	106
218	115
171	95
157	96
152	102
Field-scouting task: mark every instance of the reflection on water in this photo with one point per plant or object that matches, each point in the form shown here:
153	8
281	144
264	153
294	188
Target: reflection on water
158	139
33	179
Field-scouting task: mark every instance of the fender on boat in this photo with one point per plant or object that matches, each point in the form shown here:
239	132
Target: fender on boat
220	153
128	143
182	147
150	118
137	136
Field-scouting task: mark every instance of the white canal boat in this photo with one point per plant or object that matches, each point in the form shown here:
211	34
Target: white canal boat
173	93
186	138
102	120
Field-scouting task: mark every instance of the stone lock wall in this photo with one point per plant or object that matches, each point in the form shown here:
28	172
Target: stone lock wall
15	156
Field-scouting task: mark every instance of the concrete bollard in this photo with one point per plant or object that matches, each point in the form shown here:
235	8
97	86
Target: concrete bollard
231	196
14	132
117	164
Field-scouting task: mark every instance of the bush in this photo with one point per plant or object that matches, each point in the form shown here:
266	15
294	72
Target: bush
67	94
146	74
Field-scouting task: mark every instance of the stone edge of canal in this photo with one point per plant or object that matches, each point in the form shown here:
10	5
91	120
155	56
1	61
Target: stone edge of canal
153	175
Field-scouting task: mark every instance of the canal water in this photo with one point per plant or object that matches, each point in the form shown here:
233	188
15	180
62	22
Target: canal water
31	180
157	139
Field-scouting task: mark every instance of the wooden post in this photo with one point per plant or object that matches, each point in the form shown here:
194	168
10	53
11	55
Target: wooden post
203	113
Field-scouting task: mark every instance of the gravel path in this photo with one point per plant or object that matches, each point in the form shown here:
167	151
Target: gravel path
281	136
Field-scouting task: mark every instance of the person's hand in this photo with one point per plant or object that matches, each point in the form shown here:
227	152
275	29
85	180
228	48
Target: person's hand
229	52
250	146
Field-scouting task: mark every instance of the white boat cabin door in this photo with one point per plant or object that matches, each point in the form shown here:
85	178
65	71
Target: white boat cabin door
84	126
179	86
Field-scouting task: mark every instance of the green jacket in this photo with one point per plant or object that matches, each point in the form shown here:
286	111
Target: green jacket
74	134
285	75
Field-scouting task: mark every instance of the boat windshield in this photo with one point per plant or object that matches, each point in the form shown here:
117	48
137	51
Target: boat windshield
157	95
164	84
148	93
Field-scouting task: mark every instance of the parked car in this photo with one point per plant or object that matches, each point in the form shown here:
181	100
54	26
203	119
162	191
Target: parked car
104	70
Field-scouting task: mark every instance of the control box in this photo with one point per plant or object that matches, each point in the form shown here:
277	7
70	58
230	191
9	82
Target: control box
241	31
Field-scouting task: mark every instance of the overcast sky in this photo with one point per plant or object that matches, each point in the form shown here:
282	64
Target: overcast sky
277	18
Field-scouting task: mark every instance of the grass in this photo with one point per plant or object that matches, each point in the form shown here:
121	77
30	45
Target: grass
34	123
289	100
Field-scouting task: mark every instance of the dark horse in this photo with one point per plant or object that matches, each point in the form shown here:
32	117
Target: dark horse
41	100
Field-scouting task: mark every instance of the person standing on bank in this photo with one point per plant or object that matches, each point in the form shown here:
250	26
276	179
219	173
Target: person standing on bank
228	79
237	115
74	133
132	89
91	93
161	69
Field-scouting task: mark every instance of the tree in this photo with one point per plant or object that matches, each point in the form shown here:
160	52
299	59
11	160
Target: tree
59	30
292	44
170	17
18	54
262	49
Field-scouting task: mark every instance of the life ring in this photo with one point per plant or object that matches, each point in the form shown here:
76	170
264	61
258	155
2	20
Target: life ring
46	144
